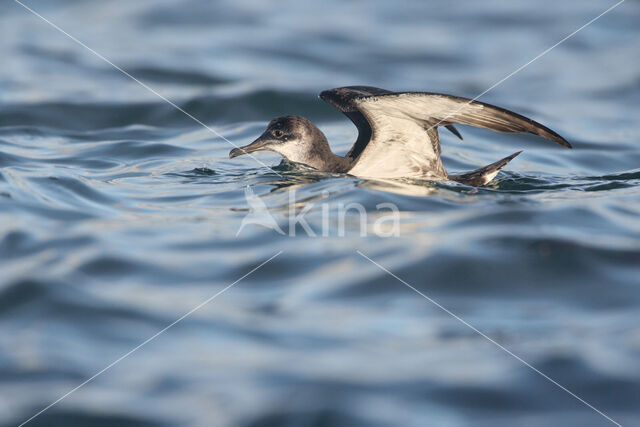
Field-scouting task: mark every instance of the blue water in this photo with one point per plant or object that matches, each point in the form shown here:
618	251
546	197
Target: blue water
119	214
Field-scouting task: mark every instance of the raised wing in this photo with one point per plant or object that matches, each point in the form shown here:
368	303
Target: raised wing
400	147
439	110
343	98
403	138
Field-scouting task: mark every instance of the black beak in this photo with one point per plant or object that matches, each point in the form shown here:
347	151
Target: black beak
259	144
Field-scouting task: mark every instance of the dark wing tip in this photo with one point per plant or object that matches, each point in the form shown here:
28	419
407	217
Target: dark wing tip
508	121
324	94
534	127
343	98
560	140
339	98
545	132
514	155
454	131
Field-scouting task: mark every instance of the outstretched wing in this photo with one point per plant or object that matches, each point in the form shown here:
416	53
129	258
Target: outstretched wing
399	146
439	110
343	99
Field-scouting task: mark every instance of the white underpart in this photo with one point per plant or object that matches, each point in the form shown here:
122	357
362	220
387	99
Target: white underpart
292	150
400	146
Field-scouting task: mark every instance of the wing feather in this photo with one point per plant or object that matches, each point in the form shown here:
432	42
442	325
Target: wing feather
441	110
343	98
398	131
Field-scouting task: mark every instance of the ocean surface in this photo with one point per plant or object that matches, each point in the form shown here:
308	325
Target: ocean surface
121	217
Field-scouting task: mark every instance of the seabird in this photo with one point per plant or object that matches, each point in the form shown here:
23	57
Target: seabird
397	134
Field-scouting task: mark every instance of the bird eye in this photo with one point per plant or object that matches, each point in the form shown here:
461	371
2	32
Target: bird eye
278	133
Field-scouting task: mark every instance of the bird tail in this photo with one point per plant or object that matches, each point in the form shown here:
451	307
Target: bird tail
483	175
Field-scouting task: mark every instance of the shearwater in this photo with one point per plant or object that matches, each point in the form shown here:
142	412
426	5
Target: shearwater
397	134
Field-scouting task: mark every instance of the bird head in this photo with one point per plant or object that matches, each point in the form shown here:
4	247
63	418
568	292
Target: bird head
293	137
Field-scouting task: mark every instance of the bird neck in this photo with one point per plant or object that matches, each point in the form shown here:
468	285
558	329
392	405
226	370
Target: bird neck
330	162
322	158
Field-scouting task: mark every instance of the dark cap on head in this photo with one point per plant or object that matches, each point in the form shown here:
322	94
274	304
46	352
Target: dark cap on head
298	140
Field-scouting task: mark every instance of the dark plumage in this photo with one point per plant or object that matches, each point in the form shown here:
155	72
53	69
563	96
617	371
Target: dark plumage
397	134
